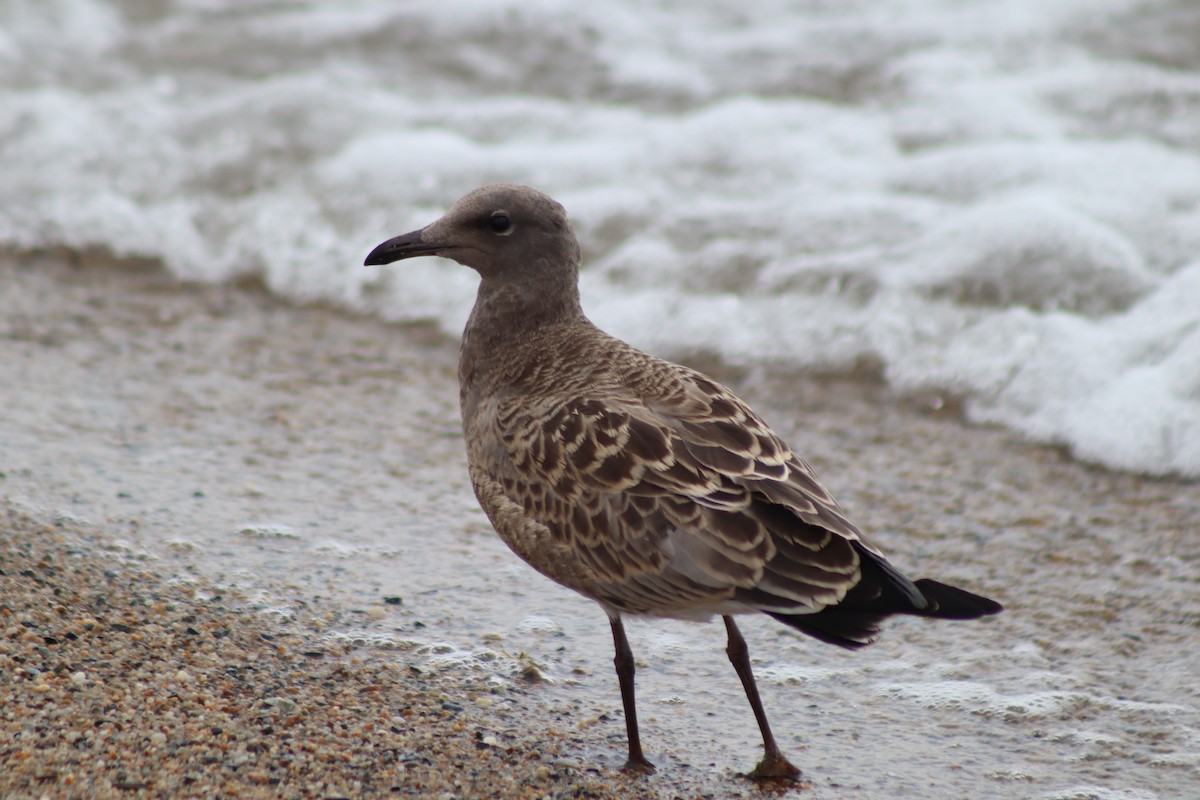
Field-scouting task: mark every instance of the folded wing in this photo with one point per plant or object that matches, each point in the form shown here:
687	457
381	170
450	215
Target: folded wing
685	503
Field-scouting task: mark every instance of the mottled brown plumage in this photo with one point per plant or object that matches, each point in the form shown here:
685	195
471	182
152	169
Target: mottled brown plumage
639	483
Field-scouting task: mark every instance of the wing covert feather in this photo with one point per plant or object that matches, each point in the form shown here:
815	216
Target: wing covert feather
685	500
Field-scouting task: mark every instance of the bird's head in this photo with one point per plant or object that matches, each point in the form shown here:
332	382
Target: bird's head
505	232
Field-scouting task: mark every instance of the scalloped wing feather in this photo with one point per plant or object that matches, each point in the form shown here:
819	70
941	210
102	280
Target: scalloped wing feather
677	504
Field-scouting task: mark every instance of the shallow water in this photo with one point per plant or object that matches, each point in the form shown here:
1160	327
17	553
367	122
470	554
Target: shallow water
298	452
996	200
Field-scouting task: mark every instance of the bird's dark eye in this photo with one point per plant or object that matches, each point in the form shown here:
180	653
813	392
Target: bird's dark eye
499	223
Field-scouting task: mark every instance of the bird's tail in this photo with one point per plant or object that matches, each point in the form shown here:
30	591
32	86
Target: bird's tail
950	602
882	592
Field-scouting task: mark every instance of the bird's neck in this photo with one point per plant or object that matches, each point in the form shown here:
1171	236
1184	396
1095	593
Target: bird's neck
507	323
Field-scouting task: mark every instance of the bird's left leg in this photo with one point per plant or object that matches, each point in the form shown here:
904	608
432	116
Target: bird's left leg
773	766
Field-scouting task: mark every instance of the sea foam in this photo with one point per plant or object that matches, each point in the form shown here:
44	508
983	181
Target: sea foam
998	200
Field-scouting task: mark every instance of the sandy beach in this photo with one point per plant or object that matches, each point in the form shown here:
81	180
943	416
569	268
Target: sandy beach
122	676
146	422
117	684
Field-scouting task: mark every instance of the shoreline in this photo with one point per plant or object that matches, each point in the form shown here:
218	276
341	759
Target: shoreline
204	444
126	671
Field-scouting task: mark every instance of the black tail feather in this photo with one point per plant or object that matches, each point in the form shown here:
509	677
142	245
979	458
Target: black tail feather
882	592
849	629
950	602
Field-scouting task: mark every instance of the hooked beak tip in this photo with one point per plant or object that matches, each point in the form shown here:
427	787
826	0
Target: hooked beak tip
408	245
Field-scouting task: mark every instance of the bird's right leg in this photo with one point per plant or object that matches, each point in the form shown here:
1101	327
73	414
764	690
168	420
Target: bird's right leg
625	669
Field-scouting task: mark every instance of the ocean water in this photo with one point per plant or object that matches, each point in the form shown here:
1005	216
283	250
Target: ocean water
992	200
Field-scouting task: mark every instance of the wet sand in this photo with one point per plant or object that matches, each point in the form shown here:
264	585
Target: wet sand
117	684
147	423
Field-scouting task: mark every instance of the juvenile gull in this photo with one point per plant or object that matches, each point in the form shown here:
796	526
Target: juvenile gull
639	483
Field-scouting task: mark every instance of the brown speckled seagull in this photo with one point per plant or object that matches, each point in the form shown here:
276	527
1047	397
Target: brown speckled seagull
639	483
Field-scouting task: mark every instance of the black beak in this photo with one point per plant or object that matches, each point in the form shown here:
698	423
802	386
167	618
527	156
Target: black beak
407	245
